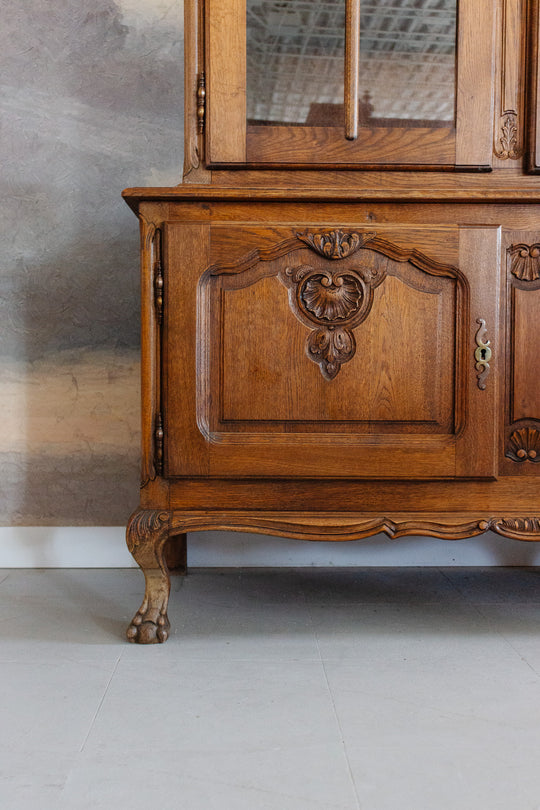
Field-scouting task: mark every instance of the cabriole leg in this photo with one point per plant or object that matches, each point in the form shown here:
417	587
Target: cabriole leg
147	533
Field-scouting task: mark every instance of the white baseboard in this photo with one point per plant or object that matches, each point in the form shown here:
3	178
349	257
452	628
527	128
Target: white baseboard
104	547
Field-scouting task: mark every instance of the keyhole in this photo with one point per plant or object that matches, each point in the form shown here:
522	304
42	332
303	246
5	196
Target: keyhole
483	354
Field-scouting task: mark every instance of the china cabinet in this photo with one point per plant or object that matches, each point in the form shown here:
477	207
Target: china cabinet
341	300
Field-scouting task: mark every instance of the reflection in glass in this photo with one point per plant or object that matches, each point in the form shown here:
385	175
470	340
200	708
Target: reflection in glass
295	53
294	57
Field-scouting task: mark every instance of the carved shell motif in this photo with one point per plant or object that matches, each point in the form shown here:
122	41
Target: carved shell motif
525	262
332	298
524	445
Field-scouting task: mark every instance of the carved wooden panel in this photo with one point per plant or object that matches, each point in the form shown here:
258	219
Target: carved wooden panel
388	380
336	300
522	411
324	352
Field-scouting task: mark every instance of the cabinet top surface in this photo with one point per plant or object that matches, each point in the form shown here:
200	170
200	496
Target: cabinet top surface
387	187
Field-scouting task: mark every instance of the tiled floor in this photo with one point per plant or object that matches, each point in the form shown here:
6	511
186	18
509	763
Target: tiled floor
305	689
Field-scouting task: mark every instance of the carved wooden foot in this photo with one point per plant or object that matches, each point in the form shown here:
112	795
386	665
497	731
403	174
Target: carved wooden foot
147	534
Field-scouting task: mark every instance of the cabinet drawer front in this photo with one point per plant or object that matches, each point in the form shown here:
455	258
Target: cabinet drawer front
329	352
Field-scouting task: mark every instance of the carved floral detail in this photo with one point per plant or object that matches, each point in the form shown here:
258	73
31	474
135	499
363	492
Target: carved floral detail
524	445
330	348
335	244
508	146
525	261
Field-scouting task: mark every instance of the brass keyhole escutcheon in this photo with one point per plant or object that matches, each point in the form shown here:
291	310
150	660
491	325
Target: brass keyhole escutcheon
482	354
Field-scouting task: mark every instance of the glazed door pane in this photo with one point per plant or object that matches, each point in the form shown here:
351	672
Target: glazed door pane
296	62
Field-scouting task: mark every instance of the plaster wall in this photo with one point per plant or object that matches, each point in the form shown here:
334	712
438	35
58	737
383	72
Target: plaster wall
91	102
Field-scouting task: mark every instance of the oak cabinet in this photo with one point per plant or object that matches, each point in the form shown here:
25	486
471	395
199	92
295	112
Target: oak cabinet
340	320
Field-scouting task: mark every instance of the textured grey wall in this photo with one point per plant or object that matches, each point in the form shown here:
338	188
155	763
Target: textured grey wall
91	97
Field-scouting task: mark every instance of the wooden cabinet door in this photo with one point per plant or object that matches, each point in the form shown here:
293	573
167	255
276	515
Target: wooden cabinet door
335	352
345	83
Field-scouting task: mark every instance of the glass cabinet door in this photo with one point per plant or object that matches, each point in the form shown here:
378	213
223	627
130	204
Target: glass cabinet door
372	83
534	144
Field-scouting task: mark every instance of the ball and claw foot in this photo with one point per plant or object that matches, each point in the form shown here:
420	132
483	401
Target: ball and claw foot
149	626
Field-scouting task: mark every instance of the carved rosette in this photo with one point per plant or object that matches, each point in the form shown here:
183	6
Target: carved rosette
331	302
524	445
525	261
507	147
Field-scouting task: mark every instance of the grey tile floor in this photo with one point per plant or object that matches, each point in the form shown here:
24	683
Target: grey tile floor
380	689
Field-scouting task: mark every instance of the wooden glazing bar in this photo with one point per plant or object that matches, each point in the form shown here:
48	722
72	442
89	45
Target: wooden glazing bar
352	66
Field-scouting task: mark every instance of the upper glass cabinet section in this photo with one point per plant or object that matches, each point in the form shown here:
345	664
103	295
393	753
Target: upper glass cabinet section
350	83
